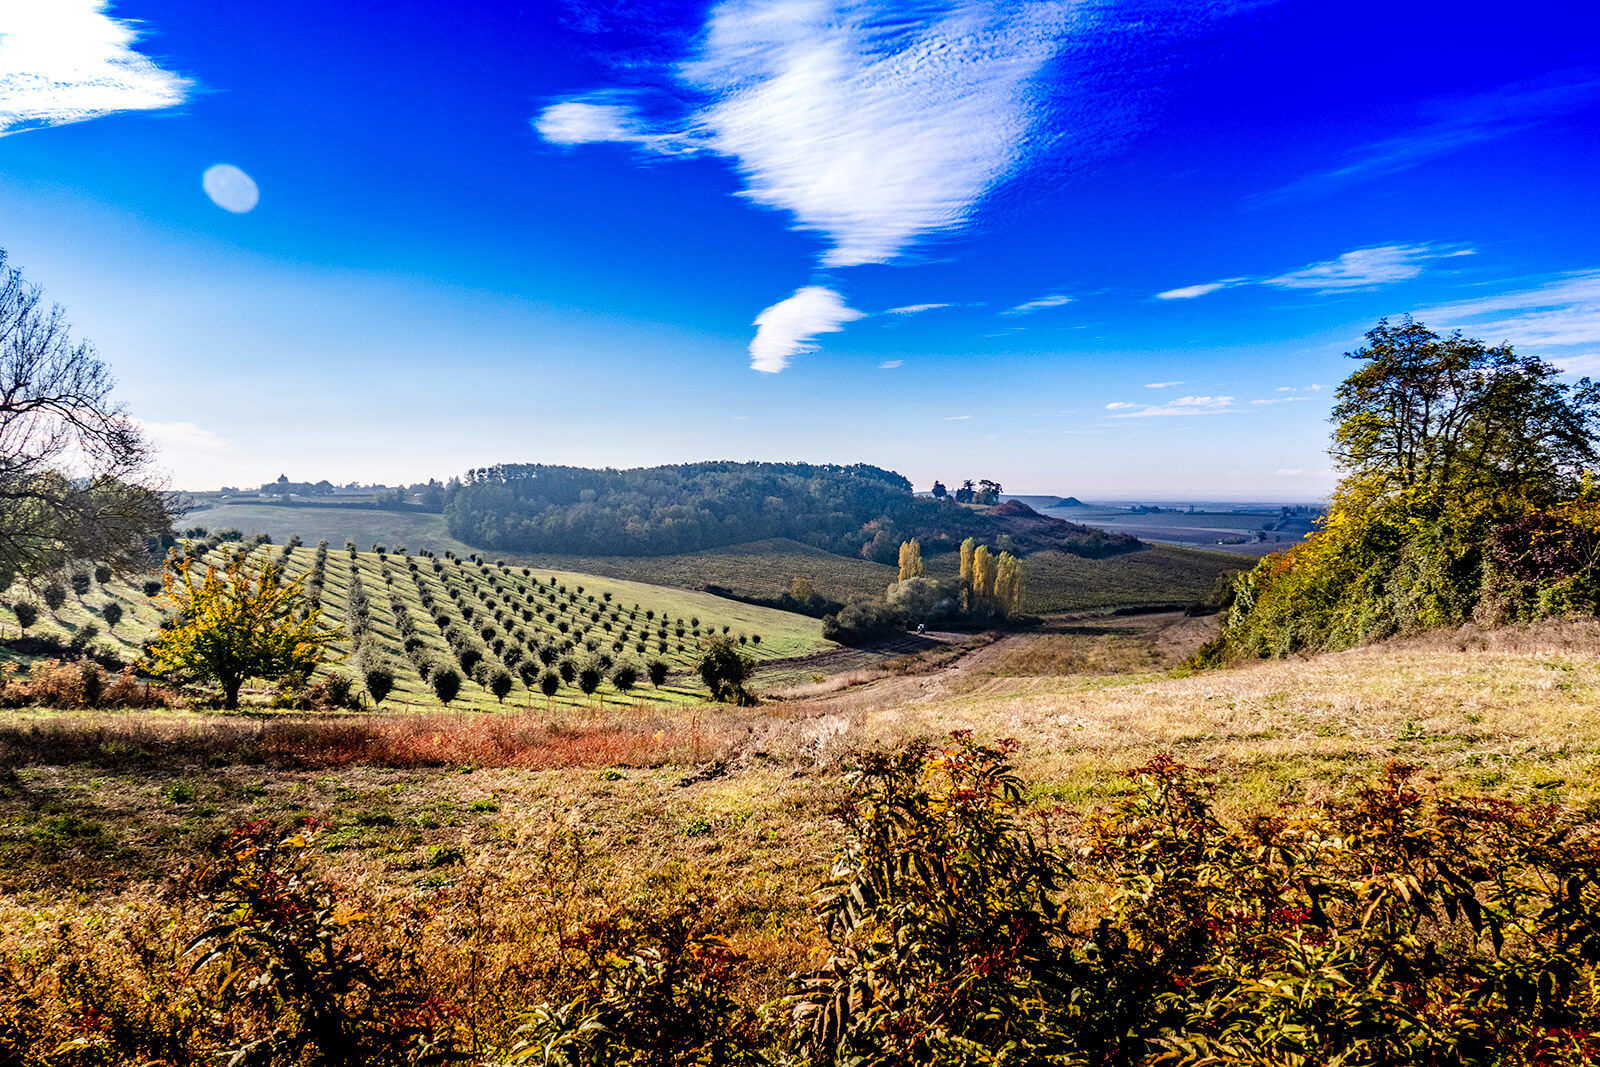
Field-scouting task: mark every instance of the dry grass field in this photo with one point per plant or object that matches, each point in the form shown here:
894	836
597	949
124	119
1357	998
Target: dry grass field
504	829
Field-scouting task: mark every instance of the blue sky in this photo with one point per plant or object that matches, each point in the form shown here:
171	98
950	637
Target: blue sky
1110	249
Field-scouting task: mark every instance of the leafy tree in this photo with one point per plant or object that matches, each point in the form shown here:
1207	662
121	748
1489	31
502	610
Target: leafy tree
1008	584
568	670
26	613
112	613
625	677
939	491
657	670
984	571
102	573
446	683
378	676
500	683
724	670
1441	443
549	682
232	625
83	637
152	587
910	560
81	582
969	549
589	677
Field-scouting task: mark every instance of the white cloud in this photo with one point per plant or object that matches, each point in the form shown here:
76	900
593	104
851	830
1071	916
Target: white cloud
877	124
1189	292
1054	300
957	418
1162	385
1120	405
915	309
786	328
1183	405
891	364
66	61
1285	389
1560	313
1364	268
1281	400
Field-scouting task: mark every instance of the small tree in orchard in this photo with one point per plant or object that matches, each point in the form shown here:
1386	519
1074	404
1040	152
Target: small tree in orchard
657	670
102	574
446	682
724	670
235	624
26	613
54	595
549	682
500	683
589	678
378	677
81	582
112	613
625	677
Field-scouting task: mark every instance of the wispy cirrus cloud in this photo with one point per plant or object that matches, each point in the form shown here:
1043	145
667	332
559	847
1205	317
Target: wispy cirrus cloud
1053	300
786	329
1447	126
1189	292
1557	316
892	364
67	61
1162	385
914	309
872	124
879	125
1360	268
1366	268
1183	405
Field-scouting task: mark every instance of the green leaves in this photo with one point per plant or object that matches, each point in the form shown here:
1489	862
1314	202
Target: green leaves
236	623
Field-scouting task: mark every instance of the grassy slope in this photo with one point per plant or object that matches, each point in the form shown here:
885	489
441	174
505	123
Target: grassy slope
1519	711
1162	574
94	805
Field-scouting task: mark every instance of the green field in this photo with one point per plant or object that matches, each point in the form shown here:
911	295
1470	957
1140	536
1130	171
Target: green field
1057	581
415	530
584	614
1158	576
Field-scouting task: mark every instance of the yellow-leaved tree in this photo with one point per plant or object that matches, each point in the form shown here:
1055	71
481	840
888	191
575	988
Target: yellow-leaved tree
236	623
984	571
1008	585
910	559
968	548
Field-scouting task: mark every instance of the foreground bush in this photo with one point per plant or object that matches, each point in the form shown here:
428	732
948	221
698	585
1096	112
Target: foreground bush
961	925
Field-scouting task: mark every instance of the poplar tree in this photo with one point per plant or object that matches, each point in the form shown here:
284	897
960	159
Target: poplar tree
968	548
984	571
910	560
1008	588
